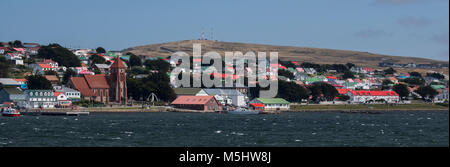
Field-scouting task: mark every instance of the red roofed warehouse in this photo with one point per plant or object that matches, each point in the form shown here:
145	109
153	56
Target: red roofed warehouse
364	96
205	103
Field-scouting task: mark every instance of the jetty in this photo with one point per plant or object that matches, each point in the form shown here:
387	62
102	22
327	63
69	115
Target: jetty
54	113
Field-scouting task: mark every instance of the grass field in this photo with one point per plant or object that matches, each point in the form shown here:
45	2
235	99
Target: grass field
370	107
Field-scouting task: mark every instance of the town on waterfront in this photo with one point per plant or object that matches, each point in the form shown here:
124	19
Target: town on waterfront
251	73
37	77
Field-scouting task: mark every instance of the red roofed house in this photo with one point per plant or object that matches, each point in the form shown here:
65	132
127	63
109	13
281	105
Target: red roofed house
62	99
3	50
364	96
41	68
103	88
205	103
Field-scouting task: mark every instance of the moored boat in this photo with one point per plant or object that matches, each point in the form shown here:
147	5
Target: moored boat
10	112
243	111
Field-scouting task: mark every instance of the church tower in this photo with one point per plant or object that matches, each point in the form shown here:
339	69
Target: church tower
118	82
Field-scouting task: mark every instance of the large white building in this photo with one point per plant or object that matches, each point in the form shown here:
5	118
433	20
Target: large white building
365	96
39	99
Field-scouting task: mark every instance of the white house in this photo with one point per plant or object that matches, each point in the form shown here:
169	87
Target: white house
272	103
365	96
71	94
62	99
225	96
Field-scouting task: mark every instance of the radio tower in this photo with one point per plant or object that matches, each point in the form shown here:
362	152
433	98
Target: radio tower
212	34
203	34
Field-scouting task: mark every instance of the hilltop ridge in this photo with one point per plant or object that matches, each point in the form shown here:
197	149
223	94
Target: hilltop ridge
291	53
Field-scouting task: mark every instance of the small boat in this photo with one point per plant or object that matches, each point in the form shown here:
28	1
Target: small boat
10	112
242	111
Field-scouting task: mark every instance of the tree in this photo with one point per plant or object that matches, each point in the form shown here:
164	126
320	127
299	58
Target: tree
389	71
414	81
159	64
17	44
100	50
291	91
426	92
436	75
157	83
67	75
348	74
134	60
402	90
386	84
288	64
4	67
415	74
38	82
350	65
59	54
139	70
343	97
286	73
322	90
96	59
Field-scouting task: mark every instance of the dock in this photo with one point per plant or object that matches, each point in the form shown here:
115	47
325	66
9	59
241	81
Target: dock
56	113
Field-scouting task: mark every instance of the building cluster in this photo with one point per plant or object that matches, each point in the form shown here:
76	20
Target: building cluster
106	83
412	65
107	87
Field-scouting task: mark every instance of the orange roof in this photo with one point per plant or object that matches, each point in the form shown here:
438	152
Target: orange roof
45	66
192	100
97	81
51	77
57	93
20	80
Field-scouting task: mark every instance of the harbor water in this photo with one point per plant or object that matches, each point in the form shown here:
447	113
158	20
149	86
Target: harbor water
302	129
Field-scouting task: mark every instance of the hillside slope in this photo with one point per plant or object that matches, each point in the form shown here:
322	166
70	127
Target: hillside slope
302	54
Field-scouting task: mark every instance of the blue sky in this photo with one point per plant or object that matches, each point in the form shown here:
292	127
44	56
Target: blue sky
418	28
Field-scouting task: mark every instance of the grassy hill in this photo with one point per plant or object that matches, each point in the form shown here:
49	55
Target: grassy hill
302	54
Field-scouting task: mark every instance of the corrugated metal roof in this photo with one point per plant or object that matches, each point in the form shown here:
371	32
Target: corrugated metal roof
192	100
272	101
227	92
8	81
186	91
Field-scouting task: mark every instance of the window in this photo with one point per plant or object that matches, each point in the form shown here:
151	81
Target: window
31	93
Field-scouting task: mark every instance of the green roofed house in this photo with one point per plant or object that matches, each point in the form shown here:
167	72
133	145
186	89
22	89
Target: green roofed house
438	87
272	103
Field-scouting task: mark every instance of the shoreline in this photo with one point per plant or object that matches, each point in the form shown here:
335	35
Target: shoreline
287	111
294	108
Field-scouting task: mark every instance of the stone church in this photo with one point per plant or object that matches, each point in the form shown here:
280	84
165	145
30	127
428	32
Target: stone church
110	88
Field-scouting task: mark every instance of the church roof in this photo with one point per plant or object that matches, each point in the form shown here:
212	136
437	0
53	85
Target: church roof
97	81
118	63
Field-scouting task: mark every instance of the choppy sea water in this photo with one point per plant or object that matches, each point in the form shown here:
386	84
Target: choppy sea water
305	129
